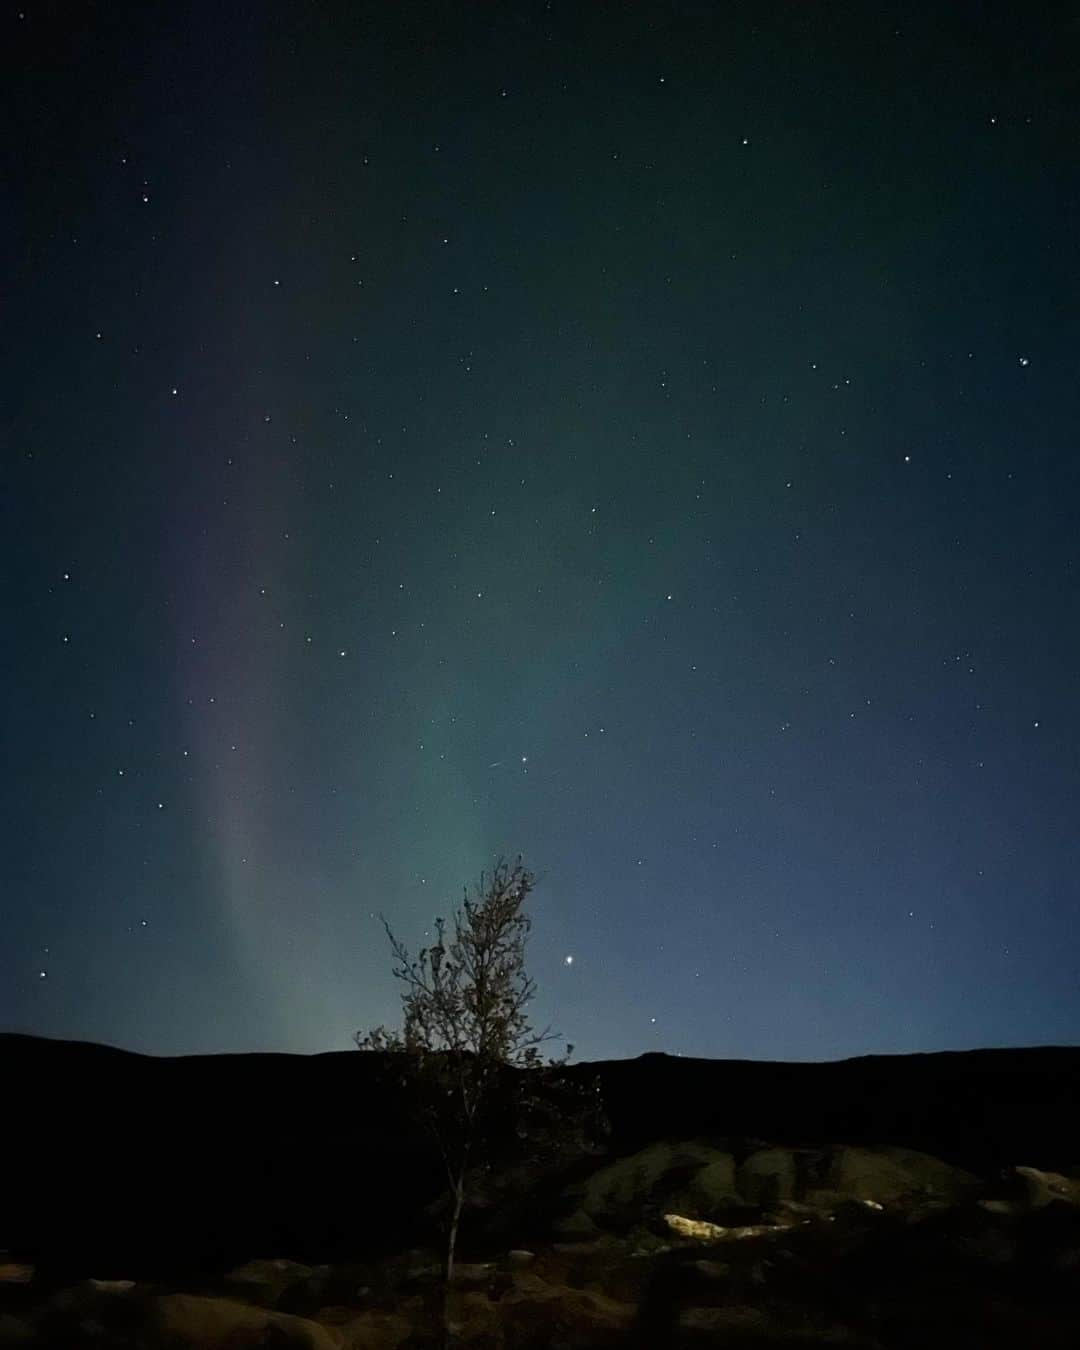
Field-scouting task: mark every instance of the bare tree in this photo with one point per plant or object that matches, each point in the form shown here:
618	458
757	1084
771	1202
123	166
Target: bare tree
466	1028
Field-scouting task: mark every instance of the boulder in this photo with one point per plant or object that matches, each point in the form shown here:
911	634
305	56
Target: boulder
711	1193
93	1311
618	1195
892	1176
539	1316
335	1315
376	1329
575	1227
474	1322
415	1271
769	1177
1038	1188
702	1231
264	1281
346	1285
15	1333
206	1323
742	1325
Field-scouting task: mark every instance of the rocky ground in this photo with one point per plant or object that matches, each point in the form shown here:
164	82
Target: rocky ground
687	1244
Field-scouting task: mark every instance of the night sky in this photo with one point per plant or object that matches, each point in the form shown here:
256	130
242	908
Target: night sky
642	437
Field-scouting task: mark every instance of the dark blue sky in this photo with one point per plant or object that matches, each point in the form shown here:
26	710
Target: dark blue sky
639	436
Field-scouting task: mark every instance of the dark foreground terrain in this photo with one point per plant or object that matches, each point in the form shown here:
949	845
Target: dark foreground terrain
287	1201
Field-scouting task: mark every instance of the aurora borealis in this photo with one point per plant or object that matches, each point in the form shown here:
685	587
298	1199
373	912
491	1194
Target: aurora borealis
638	436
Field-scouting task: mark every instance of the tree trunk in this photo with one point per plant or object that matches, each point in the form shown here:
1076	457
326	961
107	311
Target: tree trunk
451	1246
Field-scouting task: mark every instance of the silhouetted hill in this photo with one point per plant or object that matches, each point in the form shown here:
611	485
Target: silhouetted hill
978	1108
128	1163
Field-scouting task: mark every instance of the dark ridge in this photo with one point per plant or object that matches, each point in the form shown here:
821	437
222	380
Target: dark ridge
123	1164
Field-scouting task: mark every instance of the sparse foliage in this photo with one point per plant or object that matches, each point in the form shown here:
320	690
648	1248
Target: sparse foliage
467	1049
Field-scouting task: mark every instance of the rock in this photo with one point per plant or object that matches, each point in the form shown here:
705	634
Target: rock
595	1246
418	1270
857	1212
306	1297
91	1294
1029	1189
617	1196
645	1243
748	1326
519	1257
694	1228
994	1248
1042	1188
346	1285
712	1272
474	1322
376	1329
538	1316
742	1325
15	1333
714	1232
893	1176
334	1315
91	1312
574	1227
799	1210
710	1193
476	1274
1046	1231
769	1177
205	1323
265	1281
